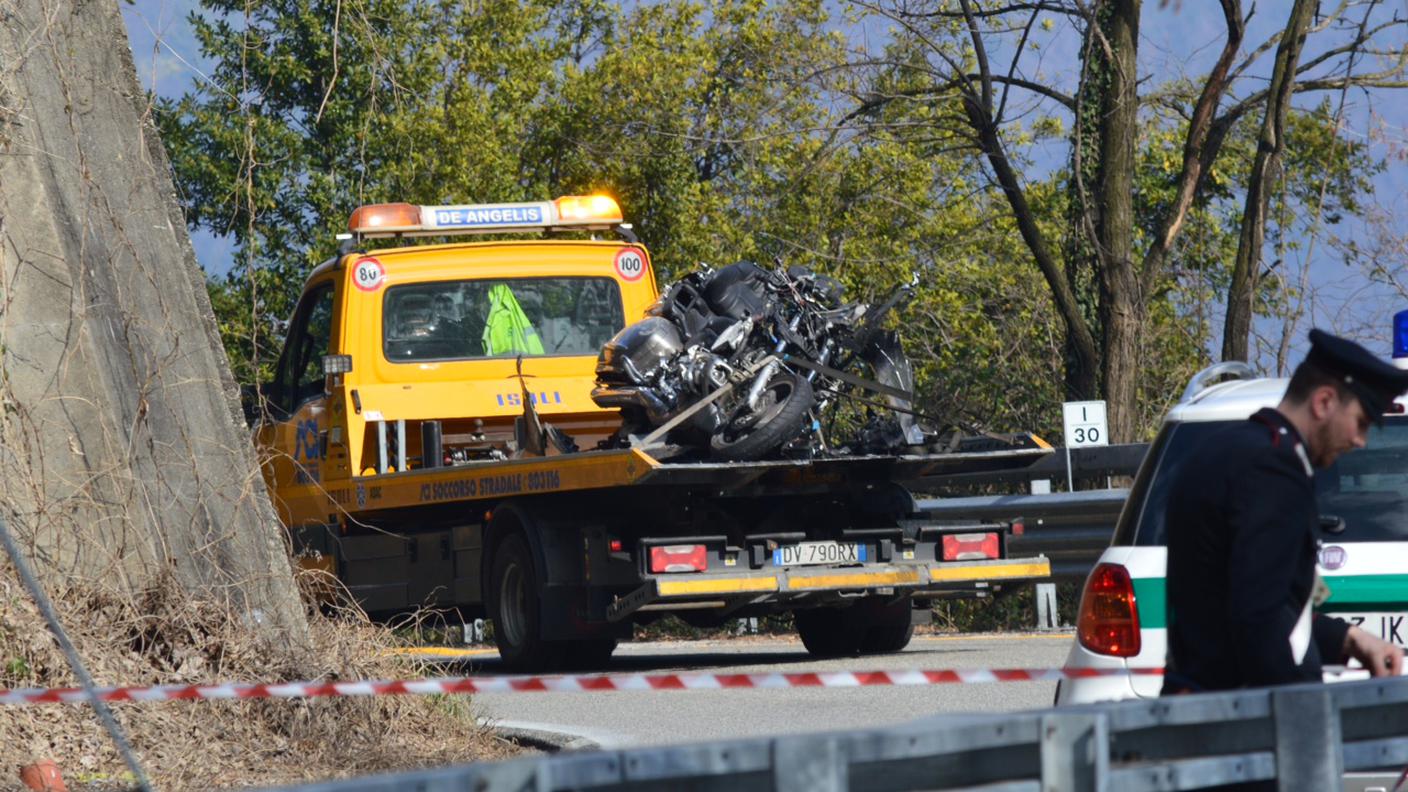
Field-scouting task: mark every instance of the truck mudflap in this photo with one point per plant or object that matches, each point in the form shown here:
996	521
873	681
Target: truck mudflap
729	590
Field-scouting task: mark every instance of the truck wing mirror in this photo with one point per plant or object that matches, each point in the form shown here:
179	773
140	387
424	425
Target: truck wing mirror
336	364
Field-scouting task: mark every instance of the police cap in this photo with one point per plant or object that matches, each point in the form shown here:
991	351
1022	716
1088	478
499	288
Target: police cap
1370	378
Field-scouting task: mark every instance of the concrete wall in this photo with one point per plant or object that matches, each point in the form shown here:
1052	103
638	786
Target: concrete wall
122	451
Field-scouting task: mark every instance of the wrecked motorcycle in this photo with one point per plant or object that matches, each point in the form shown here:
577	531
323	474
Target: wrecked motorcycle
742	363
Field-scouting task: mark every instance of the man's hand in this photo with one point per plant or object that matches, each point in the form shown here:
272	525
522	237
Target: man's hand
1380	657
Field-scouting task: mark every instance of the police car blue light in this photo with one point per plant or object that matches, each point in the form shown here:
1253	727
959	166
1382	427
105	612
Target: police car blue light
1400	334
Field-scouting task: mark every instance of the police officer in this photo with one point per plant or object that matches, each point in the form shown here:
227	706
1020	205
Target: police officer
1242	526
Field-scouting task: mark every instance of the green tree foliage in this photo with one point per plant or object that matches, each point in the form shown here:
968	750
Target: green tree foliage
706	120
728	130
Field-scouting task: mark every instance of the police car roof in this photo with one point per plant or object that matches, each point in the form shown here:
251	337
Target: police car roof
1229	400
1235	399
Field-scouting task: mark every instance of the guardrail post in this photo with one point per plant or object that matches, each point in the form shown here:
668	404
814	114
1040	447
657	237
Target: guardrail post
1309	741
810	763
1075	752
1047	616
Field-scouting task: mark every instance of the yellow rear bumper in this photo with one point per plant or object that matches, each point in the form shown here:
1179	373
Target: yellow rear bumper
916	577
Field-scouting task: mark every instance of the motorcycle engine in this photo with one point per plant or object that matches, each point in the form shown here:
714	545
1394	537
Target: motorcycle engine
704	371
636	354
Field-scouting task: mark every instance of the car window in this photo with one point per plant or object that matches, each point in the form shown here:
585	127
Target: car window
300	375
1367	488
465	320
1143	515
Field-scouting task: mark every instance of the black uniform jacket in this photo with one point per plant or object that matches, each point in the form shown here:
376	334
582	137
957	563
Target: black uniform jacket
1242	525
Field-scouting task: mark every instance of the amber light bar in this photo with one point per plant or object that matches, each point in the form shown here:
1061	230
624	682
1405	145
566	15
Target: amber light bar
403	219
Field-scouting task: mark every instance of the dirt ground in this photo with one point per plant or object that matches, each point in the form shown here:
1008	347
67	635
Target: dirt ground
164	638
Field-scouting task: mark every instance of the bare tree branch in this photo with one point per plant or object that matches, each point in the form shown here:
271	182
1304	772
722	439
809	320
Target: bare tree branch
1012	69
1274	39
981	53
1066	100
1270	145
1055	8
978	108
1195	147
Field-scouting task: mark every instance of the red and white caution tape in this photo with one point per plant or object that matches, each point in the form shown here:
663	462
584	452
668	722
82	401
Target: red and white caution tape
564	684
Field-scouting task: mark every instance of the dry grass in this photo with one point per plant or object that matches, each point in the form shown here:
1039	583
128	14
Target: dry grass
163	637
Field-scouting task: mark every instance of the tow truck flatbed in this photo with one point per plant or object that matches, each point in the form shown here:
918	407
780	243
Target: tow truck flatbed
633	467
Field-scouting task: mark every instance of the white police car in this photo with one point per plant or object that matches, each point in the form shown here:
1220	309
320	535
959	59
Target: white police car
1363	496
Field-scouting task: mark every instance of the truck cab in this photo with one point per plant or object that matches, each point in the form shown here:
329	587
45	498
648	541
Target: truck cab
421	356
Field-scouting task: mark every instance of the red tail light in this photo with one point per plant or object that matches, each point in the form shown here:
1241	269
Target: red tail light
971	547
1109	618
679	558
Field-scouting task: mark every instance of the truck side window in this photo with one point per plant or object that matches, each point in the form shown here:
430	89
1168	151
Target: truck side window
300	375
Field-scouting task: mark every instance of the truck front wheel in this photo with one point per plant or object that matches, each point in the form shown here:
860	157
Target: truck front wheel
516	608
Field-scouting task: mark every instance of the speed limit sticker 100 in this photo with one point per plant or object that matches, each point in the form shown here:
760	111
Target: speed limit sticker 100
368	274
630	264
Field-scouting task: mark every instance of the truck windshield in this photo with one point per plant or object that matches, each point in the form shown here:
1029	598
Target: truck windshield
1367	488
465	320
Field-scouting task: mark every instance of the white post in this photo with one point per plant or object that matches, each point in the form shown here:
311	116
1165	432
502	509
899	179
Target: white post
1047	617
381	446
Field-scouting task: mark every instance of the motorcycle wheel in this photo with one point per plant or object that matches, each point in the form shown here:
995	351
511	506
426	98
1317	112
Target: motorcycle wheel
780	416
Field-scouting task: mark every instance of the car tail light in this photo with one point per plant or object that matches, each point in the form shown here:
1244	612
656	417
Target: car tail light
1109	618
679	558
971	547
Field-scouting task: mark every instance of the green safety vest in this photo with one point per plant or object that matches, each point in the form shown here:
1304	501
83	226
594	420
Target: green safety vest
507	329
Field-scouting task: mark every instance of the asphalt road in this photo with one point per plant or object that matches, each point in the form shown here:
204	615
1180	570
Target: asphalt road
619	719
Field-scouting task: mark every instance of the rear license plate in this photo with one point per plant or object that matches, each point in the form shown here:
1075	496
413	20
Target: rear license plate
818	553
1392	627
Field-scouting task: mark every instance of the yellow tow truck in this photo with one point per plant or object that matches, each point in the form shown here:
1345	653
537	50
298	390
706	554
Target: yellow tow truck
429	437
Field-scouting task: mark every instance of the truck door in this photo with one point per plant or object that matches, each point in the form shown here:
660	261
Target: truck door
297	413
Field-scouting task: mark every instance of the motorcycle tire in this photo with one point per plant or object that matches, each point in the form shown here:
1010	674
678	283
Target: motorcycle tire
781	416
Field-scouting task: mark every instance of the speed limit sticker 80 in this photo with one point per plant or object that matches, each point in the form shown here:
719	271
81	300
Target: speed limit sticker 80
630	264
368	274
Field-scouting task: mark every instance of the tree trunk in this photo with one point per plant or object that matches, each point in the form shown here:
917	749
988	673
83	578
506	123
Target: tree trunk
1082	256
1241	293
1121	298
124	453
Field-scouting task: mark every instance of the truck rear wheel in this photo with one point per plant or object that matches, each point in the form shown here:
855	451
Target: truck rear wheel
830	632
890	628
587	654
516	608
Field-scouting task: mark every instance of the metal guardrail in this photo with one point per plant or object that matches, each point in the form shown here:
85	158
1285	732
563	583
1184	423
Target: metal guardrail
1086	465
1305	737
1069	528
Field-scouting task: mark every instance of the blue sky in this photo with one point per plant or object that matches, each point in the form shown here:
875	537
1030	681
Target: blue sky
1178	39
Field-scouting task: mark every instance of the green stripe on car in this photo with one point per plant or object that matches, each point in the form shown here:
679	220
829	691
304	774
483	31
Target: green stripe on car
1354	593
1367	593
1150	597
